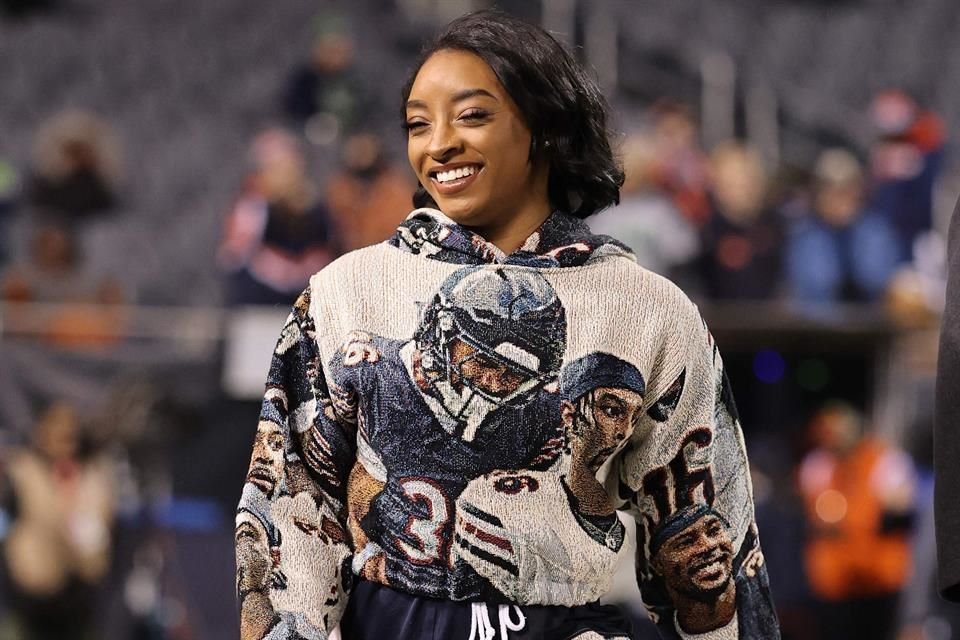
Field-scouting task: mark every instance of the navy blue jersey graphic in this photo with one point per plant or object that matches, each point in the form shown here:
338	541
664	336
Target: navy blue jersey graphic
472	392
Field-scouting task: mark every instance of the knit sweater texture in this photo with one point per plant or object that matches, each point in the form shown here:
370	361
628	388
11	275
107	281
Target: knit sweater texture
461	424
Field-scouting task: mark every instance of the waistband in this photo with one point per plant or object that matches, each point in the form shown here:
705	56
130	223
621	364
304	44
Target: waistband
376	611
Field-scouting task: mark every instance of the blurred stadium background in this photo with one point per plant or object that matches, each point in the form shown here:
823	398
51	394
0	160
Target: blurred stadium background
172	172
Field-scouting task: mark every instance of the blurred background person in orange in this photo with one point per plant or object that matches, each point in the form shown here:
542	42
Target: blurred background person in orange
370	195
859	498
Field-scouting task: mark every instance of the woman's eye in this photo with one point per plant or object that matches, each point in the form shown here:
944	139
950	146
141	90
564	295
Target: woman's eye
474	115
414	126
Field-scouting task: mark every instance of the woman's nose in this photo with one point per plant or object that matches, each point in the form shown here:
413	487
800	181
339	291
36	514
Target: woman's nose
444	143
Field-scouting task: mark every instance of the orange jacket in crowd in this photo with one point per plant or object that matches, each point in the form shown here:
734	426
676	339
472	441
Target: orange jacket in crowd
858	506
368	211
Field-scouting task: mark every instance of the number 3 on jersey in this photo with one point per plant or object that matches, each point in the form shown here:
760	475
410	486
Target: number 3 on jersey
426	525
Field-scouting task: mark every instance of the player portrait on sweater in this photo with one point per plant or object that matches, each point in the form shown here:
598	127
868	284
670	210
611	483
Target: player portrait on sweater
693	554
257	545
695	527
601	400
479	372
281	557
287	524
266	467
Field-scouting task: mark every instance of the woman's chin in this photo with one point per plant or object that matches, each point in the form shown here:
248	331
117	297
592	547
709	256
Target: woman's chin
462	213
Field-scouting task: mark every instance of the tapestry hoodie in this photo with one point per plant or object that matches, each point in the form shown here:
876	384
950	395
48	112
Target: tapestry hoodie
458	423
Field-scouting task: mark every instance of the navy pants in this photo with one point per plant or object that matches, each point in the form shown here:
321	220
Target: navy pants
376	612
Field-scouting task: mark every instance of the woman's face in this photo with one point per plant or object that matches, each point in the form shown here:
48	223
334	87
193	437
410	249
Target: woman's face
468	144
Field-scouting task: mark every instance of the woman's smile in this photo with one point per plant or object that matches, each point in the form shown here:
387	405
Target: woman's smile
453	178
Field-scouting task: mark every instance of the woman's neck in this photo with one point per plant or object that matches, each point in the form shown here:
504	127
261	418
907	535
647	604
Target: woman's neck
511	235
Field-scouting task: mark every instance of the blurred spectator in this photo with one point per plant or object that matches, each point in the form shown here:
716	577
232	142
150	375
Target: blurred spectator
905	163
780	516
58	549
946	417
924	615
859	497
681	167
325	94
277	234
741	238
841	251
76	167
8	201
646	220
55	273
370	196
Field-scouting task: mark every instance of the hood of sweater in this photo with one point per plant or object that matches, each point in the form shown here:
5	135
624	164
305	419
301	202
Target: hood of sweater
561	241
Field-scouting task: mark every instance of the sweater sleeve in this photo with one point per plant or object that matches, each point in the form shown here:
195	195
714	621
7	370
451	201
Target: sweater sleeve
685	478
293	553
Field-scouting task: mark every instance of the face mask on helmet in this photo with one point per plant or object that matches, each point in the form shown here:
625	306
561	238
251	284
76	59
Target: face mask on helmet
491	335
503	375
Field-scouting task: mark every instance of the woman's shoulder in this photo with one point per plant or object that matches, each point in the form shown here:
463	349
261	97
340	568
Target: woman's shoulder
363	261
649	287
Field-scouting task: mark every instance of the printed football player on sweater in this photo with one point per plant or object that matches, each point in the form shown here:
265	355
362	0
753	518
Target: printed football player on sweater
693	512
602	398
475	389
288	524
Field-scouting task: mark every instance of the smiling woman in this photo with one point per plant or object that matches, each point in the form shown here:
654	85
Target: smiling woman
454	417
504	128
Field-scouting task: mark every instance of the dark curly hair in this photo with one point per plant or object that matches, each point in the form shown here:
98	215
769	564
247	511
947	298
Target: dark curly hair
560	104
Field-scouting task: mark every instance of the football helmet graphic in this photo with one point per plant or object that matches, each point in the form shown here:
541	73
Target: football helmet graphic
490	338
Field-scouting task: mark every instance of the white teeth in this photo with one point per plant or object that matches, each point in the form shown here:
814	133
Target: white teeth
456	174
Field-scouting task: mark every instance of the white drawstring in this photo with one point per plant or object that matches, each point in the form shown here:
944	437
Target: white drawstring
481	629
507	623
480	622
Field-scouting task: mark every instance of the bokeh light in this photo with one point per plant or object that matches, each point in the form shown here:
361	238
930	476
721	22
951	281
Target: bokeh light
813	374
831	506
769	366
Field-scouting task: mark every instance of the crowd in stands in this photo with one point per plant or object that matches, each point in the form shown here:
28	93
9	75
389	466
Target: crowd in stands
723	222
856	226
730	227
